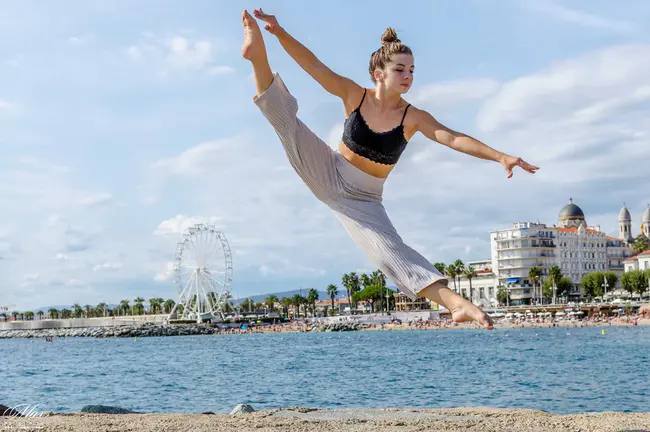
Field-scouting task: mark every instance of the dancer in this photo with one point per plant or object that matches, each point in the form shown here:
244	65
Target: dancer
378	127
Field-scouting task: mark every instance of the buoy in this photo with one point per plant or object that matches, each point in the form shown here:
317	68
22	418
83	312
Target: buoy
603	332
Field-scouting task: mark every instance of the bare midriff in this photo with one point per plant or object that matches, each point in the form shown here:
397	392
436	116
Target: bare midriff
366	165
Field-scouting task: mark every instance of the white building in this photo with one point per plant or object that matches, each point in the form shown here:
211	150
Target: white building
572	245
638	262
483	286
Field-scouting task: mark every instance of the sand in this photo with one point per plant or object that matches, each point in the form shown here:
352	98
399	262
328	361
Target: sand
353	420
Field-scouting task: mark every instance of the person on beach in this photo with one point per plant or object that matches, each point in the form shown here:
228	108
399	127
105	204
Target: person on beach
379	123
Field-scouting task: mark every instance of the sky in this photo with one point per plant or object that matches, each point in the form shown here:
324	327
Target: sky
123	123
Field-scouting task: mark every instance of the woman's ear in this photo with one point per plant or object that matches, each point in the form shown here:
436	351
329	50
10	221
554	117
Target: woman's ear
379	75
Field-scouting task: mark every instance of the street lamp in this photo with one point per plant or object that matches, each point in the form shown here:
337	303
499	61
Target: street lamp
605	288
387	302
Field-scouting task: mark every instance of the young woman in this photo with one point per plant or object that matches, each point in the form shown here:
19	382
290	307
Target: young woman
378	127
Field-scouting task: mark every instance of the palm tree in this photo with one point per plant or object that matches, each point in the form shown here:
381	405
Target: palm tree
101	309
66	313
556	277
470	274
378	278
460	269
53	313
40	314
29	316
169	305
451	273
77	310
351	283
312	296
124	306
138	307
297	300
332	292
535	277
270	302
440	266
286	304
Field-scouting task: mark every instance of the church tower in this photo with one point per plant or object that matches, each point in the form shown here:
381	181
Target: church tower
625	225
645	223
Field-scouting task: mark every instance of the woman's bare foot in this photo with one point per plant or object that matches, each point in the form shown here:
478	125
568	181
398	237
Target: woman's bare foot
253	47
461	309
466	311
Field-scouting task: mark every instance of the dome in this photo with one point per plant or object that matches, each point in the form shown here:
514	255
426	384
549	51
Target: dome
624	215
646	214
571	211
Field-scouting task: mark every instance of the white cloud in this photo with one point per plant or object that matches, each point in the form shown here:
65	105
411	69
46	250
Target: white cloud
32	277
571	86
586	19
110	266
443	94
97	199
178	53
61	257
5	105
78	40
203	157
179	224
220	70
167	274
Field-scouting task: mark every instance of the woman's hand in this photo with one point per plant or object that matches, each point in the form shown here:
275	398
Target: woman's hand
271	25
509	162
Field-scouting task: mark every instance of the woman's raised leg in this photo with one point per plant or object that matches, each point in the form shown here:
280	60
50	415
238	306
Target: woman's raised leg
254	50
312	159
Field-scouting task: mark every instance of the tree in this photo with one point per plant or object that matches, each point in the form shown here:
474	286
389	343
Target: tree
77	310
641	244
460	269
53	313
503	296
101	309
441	267
124	306
555	278
138	306
169	305
372	293
535	277
270	302
627	282
248	304
351	283
562	287
297	301
332	292
452	272
312	297
286	303
470	274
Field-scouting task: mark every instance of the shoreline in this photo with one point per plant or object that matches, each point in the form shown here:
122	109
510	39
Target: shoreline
485	419
156	330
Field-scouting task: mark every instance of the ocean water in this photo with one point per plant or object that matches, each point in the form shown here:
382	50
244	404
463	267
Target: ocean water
559	370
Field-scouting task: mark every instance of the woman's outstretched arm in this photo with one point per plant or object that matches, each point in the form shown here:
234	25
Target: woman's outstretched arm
332	82
432	129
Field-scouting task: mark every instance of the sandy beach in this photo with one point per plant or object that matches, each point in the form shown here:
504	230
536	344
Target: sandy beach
299	420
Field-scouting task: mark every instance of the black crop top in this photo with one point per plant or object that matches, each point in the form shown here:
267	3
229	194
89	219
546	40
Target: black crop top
382	147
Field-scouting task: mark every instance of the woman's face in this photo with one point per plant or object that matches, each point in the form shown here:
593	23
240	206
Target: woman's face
398	74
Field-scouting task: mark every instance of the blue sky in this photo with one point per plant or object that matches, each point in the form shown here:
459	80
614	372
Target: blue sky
123	122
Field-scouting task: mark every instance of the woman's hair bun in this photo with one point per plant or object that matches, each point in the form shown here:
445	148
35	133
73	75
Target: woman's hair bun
389	36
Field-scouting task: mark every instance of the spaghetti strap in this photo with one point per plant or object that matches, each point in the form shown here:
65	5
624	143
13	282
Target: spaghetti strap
364	96
404	116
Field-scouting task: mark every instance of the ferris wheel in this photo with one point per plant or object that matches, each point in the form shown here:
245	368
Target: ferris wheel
203	270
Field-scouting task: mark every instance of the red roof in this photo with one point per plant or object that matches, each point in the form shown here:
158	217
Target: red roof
588	230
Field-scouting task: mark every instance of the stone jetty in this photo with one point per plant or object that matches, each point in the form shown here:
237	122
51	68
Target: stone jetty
152	330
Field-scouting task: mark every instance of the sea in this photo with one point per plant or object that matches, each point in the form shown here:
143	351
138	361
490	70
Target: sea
558	370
